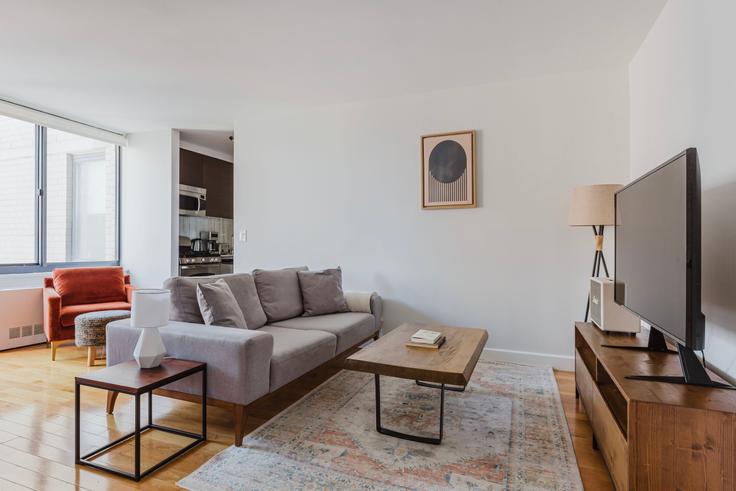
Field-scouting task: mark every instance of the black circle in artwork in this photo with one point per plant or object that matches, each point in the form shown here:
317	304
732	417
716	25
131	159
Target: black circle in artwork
447	161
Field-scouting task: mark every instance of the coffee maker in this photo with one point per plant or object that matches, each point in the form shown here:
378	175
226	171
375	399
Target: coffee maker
211	242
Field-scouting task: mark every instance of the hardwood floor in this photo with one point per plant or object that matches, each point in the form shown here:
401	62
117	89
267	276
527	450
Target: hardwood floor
37	425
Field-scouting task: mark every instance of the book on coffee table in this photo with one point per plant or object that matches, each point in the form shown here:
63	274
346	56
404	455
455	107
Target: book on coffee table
435	345
425	338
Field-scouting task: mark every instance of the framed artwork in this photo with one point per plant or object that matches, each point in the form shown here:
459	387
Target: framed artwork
448	170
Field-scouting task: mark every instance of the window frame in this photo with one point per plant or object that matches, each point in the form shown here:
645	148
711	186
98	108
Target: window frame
42	265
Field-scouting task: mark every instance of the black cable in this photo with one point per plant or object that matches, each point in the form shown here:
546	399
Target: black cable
702	353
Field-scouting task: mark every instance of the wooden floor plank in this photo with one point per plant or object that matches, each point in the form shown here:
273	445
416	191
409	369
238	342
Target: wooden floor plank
37	426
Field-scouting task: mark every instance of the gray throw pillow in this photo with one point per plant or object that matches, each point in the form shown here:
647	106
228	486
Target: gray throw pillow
281	297
218	305
322	292
185	306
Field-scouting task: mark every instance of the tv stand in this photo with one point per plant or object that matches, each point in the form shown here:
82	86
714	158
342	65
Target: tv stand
657	343
653	435
695	373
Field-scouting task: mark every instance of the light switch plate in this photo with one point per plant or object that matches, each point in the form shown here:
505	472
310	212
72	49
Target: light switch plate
243	235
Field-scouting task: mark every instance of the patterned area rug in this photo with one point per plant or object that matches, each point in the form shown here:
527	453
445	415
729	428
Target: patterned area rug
507	431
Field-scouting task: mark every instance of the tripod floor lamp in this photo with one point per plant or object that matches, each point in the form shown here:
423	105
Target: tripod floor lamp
593	206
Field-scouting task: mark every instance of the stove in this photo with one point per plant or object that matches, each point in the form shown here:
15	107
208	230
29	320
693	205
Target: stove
200	259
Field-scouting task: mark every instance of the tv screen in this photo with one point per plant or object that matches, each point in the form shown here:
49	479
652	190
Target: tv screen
657	268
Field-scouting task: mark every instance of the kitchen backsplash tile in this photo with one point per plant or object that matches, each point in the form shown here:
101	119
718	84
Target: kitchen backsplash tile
191	227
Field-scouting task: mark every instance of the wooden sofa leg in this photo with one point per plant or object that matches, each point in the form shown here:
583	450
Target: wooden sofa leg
112	396
239	418
54	345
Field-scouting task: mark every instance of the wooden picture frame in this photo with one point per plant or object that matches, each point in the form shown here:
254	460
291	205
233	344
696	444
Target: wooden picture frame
448	170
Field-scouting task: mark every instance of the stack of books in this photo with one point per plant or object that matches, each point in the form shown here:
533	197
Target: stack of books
426	339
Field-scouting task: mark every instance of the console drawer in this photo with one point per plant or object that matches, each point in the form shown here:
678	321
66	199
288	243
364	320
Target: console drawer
584	383
611	442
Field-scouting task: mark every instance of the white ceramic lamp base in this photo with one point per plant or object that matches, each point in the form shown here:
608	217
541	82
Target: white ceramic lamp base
150	350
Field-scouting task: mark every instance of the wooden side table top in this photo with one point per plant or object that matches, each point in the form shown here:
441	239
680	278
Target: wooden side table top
128	378
453	363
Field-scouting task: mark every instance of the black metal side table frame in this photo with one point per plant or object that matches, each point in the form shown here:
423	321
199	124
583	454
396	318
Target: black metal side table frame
137	475
406	436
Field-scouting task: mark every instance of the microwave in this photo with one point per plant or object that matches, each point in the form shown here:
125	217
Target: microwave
192	201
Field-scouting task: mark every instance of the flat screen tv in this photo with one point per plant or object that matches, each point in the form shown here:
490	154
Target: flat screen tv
657	268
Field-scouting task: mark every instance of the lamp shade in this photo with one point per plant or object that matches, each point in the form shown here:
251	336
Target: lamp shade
150	308
593	205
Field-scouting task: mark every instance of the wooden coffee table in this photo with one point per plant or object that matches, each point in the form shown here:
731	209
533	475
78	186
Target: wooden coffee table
446	368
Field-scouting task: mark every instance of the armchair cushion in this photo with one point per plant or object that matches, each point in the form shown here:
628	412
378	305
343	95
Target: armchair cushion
70	312
78	286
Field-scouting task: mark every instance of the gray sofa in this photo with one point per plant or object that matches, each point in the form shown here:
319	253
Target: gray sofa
243	365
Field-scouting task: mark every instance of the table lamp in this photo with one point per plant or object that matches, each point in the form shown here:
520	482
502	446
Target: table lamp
594	206
150	311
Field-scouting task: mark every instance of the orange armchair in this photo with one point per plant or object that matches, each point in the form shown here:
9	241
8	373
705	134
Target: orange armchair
73	291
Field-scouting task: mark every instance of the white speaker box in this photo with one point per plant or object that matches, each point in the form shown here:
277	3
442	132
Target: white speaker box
606	313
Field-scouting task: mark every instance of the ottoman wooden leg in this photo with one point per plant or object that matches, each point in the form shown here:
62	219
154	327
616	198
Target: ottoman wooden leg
91	355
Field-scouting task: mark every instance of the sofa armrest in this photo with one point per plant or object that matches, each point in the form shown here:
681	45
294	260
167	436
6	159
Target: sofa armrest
369	302
238	360
51	313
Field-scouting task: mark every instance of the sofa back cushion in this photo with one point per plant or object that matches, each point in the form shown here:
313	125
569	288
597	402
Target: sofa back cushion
322	292
185	307
78	286
281	297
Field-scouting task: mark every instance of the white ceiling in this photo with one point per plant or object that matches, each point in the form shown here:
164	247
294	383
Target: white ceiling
219	141
142	64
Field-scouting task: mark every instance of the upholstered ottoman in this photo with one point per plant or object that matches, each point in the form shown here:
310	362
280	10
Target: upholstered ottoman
89	330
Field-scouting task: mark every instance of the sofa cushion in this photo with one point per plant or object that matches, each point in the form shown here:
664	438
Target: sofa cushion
322	292
78	286
349	327
185	307
218	305
295	352
70	312
281	297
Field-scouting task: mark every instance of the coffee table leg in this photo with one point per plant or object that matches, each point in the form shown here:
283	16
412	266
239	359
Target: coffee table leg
454	388
405	436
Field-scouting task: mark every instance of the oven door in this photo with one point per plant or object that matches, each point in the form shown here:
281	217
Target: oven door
199	269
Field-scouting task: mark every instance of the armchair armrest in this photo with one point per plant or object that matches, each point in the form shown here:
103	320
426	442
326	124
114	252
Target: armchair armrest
238	360
51	312
129	293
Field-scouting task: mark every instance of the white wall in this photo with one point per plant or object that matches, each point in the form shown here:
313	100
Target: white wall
682	94
340	184
147	207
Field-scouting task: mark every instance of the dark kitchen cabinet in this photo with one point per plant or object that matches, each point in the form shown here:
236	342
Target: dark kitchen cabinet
215	175
218	179
191	171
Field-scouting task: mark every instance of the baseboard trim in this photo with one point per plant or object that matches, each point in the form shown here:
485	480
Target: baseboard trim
560	362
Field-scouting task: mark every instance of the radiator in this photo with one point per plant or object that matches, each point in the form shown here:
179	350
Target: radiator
21	318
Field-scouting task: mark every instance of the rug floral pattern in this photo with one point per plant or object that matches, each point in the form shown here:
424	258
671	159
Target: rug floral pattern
507	431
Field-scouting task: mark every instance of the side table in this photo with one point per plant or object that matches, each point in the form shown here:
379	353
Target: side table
128	378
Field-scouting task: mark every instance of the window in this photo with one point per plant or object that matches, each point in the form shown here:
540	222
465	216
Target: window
18	212
58	198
